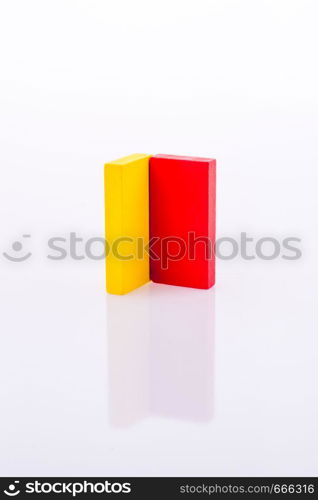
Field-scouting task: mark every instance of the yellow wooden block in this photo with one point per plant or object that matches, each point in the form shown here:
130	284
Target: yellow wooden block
127	223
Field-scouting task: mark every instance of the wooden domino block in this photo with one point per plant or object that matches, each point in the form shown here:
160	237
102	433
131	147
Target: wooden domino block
126	223
182	220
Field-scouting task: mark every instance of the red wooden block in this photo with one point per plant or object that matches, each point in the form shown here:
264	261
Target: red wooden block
182	220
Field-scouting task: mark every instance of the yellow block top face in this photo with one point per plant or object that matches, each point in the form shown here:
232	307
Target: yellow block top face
127	223
128	159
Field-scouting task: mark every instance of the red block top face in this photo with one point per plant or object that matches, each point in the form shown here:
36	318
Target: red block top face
182	217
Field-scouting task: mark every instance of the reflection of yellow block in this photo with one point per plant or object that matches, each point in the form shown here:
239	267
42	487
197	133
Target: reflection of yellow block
127	223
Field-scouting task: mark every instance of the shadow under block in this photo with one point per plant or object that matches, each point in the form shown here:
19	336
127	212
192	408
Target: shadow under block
182	218
127	223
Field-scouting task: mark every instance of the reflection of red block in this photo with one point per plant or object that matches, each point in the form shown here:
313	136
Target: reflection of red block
182	217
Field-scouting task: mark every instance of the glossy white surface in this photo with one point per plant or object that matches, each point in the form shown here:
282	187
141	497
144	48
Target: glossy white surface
165	380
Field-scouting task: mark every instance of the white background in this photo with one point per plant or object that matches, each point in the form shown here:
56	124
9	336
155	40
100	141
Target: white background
163	381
